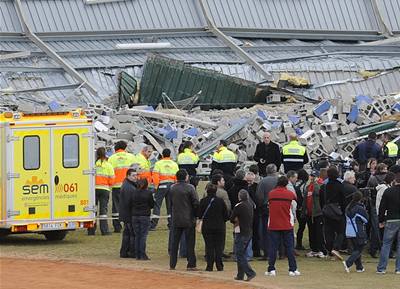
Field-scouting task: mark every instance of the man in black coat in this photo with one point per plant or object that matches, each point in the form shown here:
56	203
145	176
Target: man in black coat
128	236
239	183
267	152
367	149
184	206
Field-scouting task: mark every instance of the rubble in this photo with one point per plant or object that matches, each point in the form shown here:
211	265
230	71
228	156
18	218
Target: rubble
328	127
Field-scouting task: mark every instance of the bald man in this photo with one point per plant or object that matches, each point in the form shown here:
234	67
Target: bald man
267	152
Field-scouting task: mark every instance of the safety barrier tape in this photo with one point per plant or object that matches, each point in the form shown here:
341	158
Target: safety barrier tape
81	220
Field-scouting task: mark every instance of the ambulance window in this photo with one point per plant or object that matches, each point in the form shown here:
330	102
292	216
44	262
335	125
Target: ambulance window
70	151
31	148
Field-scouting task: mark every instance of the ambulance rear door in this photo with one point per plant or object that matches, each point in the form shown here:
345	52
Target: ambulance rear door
73	173
28	175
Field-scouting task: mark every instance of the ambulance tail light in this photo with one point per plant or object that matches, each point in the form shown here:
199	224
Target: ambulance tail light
87	225
8	114
21	228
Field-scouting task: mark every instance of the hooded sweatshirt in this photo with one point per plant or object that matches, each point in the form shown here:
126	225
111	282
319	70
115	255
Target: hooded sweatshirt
356	219
380	190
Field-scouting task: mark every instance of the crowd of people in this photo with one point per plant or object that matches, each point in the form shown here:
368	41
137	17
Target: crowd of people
344	208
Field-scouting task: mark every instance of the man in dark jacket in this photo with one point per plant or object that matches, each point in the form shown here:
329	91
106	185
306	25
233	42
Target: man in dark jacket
239	183
267	152
389	218
127	190
332	199
242	218
264	187
374	180
366	150
184	205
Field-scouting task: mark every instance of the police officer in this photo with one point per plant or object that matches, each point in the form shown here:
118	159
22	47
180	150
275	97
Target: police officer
390	149
294	155
224	160
164	175
188	160
120	161
103	184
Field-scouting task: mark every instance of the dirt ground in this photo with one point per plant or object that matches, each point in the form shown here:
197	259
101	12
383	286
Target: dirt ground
22	274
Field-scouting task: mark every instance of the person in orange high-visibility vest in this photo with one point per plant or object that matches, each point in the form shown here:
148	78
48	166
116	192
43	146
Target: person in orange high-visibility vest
103	184
164	175
120	161
142	159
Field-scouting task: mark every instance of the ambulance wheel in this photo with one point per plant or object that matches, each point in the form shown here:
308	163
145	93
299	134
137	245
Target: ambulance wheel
55	235
4	233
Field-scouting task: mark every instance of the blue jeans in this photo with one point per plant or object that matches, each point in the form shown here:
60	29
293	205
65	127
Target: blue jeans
263	232
161	193
355	257
140	225
275	238
243	266
249	249
375	241
392	232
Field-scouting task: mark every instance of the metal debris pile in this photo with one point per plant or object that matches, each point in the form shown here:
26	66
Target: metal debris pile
329	128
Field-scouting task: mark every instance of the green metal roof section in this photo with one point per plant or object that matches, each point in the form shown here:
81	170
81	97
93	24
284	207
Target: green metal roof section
181	81
127	88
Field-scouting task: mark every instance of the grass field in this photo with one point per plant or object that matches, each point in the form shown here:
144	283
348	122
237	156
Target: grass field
78	247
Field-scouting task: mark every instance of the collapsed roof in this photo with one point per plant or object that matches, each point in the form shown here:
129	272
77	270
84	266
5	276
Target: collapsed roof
66	50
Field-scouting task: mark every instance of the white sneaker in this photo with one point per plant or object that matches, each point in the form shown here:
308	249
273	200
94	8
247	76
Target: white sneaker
347	269
320	255
294	273
397	273
381	272
310	254
361	271
270	273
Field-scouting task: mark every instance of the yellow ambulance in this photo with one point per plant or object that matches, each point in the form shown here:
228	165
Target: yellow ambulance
46	173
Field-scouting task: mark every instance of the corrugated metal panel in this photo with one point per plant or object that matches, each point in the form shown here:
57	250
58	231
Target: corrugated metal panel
133	59
243	71
74	15
109	44
390	10
9	21
22	64
26	80
21	45
180	81
339	63
311	15
381	85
